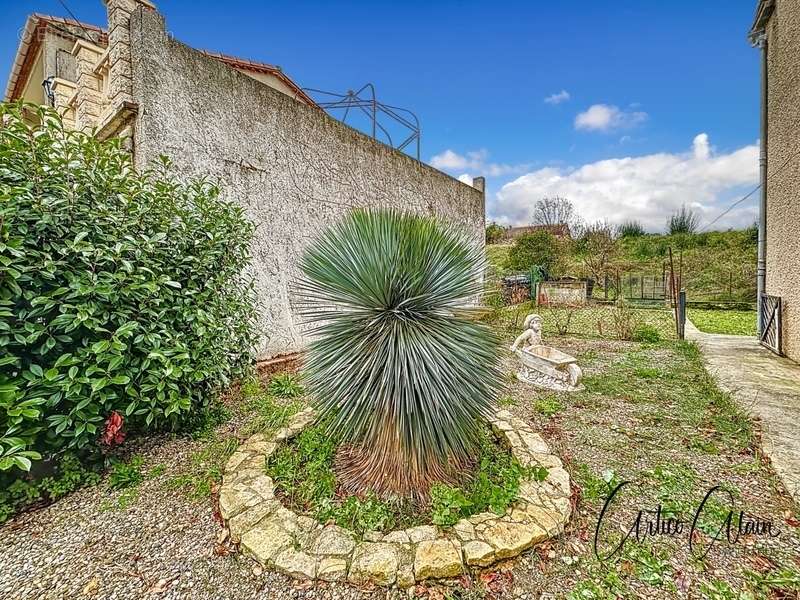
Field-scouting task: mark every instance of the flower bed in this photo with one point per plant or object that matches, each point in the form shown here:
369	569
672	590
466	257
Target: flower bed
305	481
302	547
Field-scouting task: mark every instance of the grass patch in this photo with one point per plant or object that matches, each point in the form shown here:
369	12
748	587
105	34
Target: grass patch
264	411
591	321
730	322
304	475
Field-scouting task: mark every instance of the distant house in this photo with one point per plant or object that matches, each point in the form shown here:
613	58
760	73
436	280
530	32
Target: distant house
776	31
560	230
55	52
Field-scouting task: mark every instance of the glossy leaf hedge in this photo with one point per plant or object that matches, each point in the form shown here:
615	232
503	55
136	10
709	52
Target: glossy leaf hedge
119	291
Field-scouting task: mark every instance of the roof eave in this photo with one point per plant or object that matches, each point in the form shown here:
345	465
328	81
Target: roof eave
31	41
763	13
19	58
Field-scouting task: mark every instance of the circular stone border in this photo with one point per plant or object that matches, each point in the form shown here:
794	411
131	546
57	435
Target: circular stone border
303	548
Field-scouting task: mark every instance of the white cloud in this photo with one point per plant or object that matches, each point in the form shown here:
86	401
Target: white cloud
647	188
475	162
465	178
607	117
558	98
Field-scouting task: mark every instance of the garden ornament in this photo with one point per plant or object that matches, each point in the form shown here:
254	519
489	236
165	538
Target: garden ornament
544	366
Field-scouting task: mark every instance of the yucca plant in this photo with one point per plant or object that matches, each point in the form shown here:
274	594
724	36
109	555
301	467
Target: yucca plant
397	366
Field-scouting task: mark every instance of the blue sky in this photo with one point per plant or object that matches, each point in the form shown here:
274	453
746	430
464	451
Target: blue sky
647	76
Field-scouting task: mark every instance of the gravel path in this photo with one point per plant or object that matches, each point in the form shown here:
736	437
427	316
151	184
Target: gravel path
162	545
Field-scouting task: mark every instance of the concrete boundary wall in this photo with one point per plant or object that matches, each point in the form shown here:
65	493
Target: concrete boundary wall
294	169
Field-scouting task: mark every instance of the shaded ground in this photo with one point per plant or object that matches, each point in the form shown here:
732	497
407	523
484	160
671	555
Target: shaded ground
766	385
650	414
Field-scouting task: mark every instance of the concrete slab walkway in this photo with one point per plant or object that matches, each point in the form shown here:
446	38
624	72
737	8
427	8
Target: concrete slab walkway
766	385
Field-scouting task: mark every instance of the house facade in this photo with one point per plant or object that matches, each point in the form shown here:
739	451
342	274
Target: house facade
294	169
776	31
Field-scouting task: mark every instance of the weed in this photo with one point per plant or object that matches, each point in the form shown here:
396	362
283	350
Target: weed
721	590
506	401
548	405
594	487
205	468
285	385
264	411
776	583
126	474
650	564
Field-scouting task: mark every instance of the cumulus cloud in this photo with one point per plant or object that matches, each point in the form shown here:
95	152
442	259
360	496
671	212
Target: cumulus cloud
558	98
607	117
647	188
476	162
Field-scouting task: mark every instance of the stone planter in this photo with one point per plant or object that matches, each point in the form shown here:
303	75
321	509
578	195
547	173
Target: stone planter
303	548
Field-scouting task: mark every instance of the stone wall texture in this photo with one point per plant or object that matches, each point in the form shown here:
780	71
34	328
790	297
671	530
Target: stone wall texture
291	167
783	188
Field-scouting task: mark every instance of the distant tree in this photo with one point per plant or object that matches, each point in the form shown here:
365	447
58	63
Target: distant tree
630	229
752	233
683	221
494	233
556	211
598	248
539	248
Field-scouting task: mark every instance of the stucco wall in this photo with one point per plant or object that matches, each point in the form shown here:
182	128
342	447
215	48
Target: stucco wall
783	188
294	169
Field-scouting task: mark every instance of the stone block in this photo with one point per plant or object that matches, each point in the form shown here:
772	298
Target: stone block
333	541
477	553
436	559
374	562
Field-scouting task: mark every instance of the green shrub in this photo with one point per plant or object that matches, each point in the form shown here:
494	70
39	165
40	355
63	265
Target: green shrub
119	291
539	248
69	475
645	333
684	220
494	233
630	229
398	363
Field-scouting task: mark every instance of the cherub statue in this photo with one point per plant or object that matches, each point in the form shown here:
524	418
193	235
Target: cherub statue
532	336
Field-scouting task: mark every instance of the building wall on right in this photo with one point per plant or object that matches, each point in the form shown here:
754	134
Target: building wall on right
783	183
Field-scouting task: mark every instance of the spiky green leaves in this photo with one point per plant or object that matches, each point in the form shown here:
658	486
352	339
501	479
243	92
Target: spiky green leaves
397	363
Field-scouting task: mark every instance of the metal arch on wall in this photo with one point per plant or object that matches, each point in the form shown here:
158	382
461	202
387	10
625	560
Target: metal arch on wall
365	101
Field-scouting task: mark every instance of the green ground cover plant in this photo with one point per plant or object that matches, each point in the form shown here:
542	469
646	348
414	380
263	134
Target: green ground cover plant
730	322
259	408
304	472
123	307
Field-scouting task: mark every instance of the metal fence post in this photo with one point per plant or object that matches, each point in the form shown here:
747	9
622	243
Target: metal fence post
682	314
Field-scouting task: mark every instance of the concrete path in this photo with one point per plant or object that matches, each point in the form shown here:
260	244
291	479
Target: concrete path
766	385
